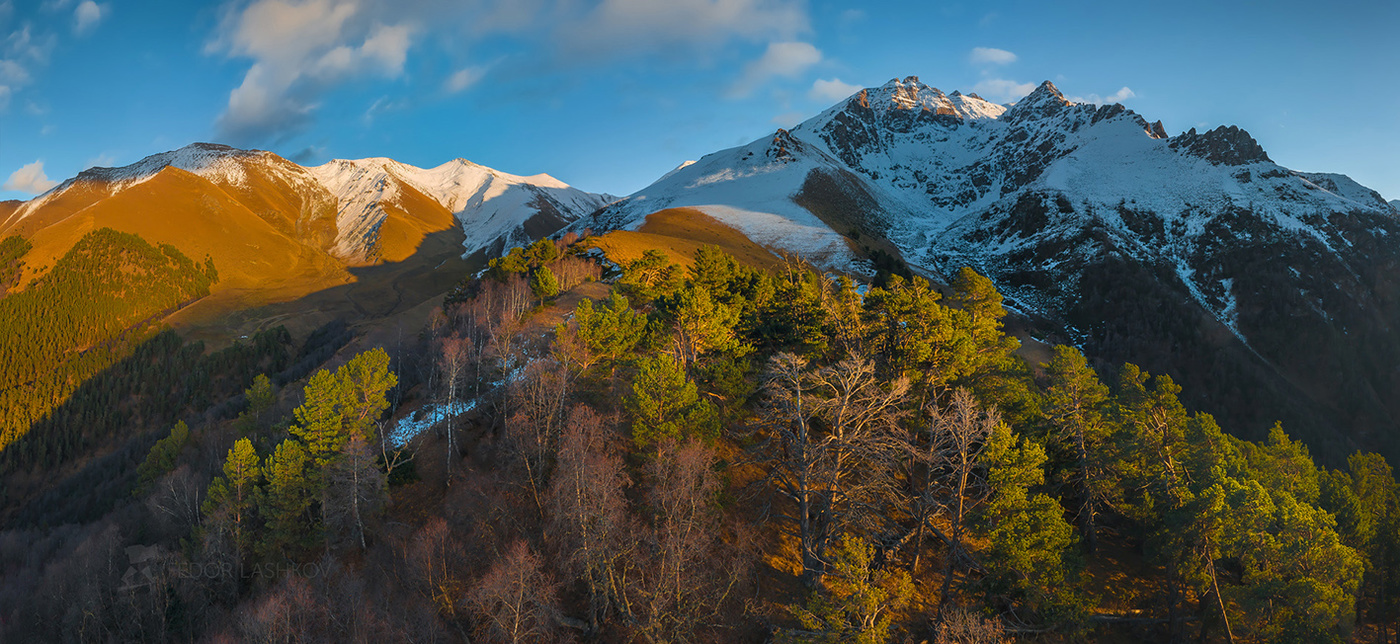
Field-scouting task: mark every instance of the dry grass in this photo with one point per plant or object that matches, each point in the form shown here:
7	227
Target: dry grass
186	211
411	219
7	210
269	245
679	232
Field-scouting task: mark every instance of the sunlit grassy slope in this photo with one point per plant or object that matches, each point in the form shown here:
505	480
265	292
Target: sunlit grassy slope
412	217
679	232
186	211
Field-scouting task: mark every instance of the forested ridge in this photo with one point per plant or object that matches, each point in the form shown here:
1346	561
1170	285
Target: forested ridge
721	453
92	308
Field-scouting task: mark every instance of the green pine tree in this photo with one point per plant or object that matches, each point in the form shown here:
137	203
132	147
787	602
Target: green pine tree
230	502
666	405
1074	404
285	501
543	283
161	458
1031	547
320	420
366	381
611	330
856	602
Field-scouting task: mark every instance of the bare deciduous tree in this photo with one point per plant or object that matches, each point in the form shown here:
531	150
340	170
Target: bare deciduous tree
516	599
588	513
690	572
354	492
453	361
433	563
831	444
947	477
536	400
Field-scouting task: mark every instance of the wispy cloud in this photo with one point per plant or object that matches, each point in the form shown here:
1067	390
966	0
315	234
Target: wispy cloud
990	56
382	105
300	50
1000	90
832	90
22	52
679	26
788	119
780	60
462	79
1116	97
30	179
87	16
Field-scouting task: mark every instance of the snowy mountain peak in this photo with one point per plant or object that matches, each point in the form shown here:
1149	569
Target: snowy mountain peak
492	207
1044	101
910	96
210	160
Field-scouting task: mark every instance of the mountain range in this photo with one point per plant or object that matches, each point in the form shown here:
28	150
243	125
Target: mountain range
1270	292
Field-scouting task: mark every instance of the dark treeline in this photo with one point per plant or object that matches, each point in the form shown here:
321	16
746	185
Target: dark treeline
717	454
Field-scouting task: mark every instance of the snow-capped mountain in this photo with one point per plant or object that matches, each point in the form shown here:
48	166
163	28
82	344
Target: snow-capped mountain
339	207
496	209
1177	252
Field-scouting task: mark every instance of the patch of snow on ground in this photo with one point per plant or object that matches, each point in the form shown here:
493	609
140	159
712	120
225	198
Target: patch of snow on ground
424	419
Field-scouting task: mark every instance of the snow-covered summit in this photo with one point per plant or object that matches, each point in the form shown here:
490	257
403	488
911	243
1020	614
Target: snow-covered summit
948	178
492	207
911	95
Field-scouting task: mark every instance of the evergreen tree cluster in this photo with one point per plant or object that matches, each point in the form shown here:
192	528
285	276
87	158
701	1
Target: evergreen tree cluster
322	483
92	309
731	454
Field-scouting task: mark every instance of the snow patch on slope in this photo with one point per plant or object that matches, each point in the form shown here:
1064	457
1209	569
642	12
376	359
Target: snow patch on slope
750	189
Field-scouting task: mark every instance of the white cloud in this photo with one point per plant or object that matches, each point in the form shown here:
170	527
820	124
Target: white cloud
463	79
86	17
25	45
1000	90
300	48
21	53
832	90
1116	97
990	56
30	179
780	60
619	26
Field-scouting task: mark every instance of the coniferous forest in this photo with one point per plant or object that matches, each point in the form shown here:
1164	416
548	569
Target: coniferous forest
574	449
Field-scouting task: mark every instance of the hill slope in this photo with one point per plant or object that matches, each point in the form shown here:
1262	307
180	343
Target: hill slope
278	231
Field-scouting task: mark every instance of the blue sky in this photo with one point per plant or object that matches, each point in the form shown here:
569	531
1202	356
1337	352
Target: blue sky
610	94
